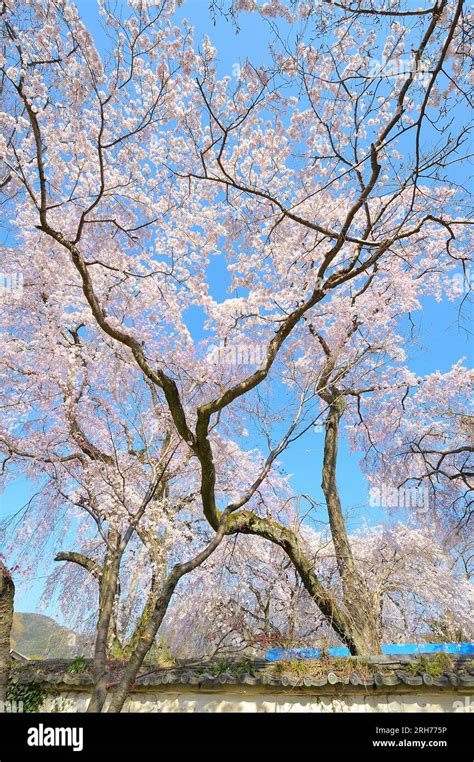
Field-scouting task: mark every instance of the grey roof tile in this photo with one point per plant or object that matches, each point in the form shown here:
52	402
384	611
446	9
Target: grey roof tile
289	680
248	679
260	673
441	681
318	682
388	680
410	679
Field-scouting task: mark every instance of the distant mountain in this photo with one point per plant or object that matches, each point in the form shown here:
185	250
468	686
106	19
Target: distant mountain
40	637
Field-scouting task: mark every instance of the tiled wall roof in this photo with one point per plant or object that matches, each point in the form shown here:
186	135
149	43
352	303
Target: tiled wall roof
376	674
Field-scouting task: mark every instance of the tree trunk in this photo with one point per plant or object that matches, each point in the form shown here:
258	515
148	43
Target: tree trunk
107	595
7	594
146	641
142	624
358	600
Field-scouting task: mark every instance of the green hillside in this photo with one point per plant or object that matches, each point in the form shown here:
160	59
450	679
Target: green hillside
40	637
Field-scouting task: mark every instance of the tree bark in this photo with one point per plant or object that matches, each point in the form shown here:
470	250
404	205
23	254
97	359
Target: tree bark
146	641
107	595
142	624
7	594
358	600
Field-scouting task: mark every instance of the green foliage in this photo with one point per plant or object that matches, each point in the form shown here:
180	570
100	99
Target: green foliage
236	668
296	667
433	665
30	695
77	666
341	666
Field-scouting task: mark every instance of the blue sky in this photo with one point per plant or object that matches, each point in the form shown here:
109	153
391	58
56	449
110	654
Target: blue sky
442	337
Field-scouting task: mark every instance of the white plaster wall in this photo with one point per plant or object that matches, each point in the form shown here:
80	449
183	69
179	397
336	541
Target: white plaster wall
228	702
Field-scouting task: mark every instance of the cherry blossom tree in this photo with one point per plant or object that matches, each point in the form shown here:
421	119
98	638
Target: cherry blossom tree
417	593
113	477
325	177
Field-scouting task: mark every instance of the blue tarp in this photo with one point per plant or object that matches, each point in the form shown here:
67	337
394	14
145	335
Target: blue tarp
406	649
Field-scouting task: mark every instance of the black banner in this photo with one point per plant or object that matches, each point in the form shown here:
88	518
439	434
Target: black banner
81	736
